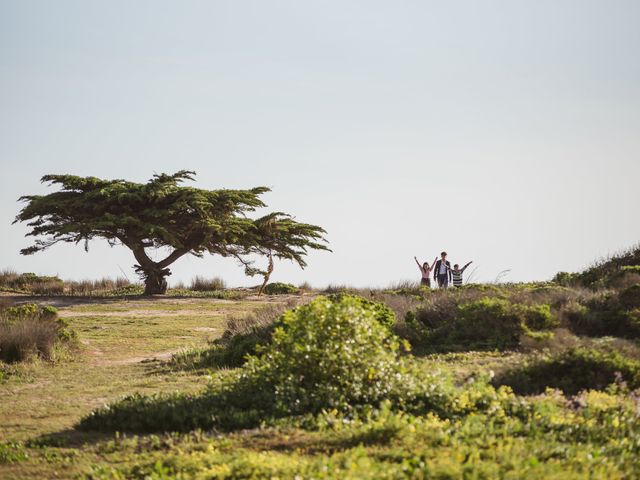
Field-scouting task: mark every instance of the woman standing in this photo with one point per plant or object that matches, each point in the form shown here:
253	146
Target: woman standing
426	270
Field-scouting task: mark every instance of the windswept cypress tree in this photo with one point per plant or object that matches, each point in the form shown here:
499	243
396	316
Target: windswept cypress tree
163	213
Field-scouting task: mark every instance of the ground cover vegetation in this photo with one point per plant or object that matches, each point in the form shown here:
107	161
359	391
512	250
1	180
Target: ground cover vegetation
532	380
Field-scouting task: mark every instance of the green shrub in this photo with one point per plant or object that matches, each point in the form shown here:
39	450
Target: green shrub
625	277
605	315
383	314
12	452
536	317
606	270
490	323
38	285
329	354
278	288
630	297
571	371
566	279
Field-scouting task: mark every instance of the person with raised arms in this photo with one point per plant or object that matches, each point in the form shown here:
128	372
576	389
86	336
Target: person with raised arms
457	272
426	270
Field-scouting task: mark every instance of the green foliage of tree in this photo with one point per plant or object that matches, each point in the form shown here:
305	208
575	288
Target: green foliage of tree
162	213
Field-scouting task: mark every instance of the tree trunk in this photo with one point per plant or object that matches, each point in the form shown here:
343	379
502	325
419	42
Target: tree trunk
267	274
154	273
155	282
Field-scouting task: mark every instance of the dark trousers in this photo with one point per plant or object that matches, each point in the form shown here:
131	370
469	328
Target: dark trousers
443	280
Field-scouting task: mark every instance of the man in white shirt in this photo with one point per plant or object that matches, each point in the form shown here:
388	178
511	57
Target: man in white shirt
442	271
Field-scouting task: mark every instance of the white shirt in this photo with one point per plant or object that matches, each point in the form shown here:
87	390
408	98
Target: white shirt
443	267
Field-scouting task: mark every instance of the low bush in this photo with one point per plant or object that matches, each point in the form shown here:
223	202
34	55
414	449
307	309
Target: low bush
486	323
32	283
566	279
278	288
383	314
630	297
625	277
202	284
572	371
329	354
31	330
608	314
605	272
12	452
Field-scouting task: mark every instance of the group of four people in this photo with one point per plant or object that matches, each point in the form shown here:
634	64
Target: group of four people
442	272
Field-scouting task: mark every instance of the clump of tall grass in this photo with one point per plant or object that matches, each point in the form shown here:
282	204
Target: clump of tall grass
30	330
100	286
202	284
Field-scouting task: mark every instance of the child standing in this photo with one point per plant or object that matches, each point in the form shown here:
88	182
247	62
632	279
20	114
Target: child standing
456	273
426	271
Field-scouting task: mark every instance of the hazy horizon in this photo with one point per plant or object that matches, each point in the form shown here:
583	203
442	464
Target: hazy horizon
506	133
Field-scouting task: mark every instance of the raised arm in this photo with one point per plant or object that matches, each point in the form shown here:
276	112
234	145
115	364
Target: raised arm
463	268
433	264
419	266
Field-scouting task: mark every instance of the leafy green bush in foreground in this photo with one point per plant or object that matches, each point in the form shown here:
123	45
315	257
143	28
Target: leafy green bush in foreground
244	336
329	354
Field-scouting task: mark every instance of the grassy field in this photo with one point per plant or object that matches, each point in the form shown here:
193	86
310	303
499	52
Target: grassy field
453	421
122	348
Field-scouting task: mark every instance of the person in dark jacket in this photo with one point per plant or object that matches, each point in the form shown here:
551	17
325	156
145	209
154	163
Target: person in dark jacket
442	271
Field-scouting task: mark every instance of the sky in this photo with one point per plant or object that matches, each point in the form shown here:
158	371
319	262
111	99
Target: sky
506	132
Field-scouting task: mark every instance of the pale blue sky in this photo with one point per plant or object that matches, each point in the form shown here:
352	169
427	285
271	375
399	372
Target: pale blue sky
506	132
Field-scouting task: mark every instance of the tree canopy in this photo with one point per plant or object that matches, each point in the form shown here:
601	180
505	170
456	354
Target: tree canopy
164	213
